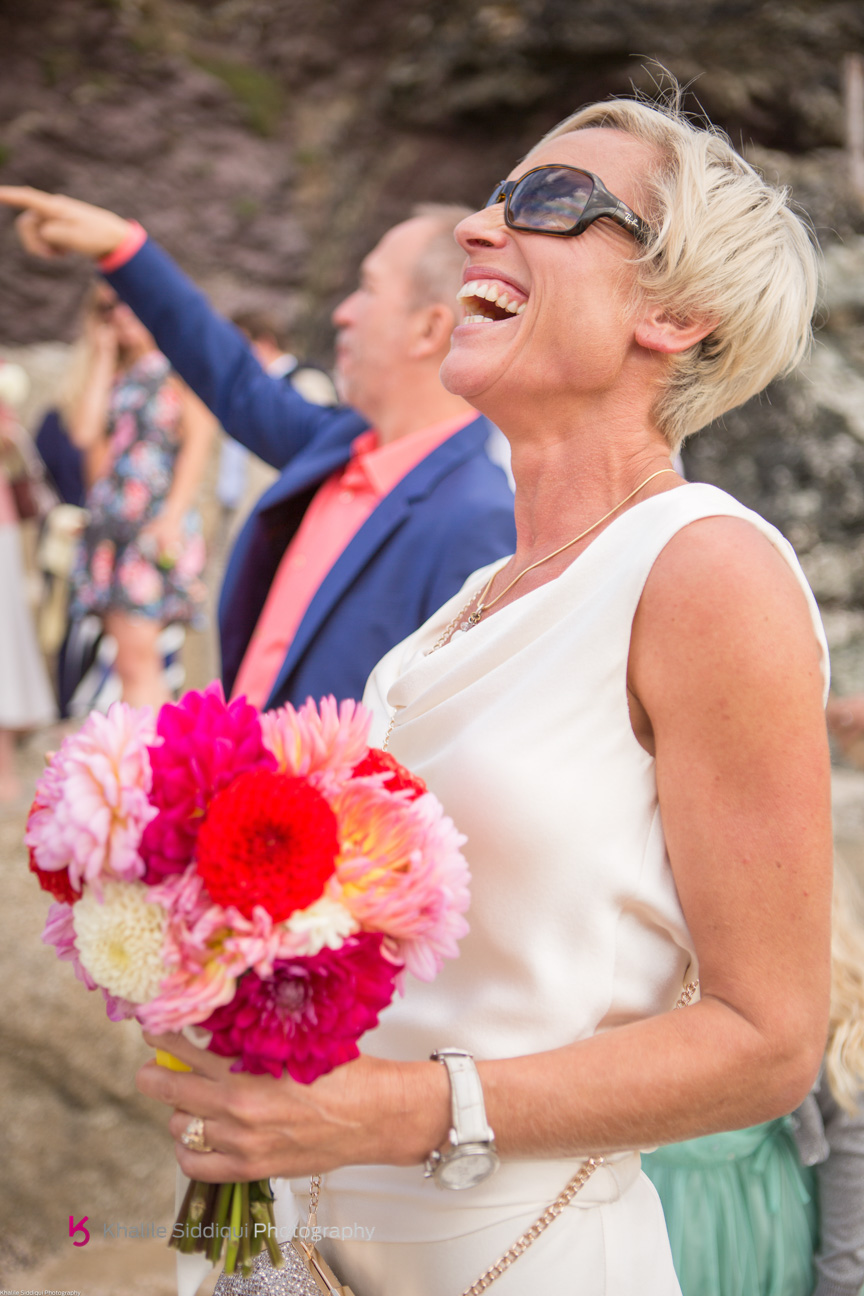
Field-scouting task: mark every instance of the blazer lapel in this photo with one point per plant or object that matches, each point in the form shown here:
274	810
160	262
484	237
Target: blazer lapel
305	471
375	531
372	535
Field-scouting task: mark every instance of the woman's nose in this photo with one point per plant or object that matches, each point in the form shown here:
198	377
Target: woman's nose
484	228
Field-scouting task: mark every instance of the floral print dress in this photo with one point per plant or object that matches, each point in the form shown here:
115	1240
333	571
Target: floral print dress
115	570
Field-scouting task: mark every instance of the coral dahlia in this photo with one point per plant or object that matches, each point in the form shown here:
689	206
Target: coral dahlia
402	873
324	743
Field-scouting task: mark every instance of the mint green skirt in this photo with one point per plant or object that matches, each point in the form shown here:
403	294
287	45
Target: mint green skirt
741	1212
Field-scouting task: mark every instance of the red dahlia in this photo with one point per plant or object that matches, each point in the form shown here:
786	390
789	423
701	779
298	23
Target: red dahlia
55	882
269	839
377	761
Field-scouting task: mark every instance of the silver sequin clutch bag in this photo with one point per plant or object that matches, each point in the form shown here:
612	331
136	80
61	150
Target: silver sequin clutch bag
298	1277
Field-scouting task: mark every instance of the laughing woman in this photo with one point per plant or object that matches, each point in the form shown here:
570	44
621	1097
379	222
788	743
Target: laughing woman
626	718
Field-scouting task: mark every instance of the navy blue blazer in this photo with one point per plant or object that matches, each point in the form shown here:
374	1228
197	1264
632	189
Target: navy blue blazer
450	515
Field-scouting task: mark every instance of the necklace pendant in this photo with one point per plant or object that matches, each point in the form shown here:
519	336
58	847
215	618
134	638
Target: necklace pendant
474	617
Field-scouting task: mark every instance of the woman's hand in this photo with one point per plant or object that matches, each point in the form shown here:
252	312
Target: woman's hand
365	1112
162	539
101	336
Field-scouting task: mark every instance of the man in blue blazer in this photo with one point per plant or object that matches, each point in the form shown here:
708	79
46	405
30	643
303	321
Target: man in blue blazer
444	508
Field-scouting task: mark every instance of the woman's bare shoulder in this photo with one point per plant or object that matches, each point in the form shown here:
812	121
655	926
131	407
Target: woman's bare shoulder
722	597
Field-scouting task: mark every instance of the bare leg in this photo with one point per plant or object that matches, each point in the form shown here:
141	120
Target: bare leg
10	784
138	664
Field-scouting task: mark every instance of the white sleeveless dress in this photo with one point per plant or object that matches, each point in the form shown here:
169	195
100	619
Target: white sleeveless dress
521	727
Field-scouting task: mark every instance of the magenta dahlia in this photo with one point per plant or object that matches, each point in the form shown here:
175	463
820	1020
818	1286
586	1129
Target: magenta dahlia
206	743
307	1018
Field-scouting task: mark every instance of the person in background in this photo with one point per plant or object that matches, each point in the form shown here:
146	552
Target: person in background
25	693
271	345
145	439
382	508
845	715
778	1209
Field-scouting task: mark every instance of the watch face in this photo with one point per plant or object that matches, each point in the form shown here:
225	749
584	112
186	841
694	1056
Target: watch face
467	1166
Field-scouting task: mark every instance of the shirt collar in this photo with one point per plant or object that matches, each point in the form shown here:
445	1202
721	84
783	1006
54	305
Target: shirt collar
383	466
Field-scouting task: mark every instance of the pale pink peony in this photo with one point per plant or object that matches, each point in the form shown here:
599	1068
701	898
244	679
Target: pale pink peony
324	742
92	805
205	744
402	873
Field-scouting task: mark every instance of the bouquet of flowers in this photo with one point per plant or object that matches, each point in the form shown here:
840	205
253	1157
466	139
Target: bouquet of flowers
266	878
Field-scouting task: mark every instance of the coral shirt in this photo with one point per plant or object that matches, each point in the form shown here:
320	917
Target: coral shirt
338	510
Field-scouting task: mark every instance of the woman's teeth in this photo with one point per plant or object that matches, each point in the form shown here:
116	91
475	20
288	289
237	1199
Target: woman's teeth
490	304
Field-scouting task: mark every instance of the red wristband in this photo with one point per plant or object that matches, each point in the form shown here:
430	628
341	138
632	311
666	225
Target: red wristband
134	238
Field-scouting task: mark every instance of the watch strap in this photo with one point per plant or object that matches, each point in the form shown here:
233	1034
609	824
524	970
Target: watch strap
466	1098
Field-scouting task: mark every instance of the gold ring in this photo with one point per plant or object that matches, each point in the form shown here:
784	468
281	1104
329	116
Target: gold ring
193	1136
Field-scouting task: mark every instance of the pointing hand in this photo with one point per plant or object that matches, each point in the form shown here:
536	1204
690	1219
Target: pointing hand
50	225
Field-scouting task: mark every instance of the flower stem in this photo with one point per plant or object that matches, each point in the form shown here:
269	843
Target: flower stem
245	1230
234	1235
220	1215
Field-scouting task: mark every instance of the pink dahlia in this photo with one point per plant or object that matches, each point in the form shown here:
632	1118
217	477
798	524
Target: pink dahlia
206	948
206	743
92	807
402	873
307	1017
324	743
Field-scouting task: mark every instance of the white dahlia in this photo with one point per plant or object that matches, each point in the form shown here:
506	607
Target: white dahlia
120	940
326	923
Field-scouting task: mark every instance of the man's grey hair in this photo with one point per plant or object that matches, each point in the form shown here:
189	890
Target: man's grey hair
438	271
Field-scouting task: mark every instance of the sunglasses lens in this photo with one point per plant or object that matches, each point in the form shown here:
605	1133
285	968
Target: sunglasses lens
551	199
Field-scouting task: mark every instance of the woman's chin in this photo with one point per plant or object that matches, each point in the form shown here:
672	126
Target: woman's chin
463	376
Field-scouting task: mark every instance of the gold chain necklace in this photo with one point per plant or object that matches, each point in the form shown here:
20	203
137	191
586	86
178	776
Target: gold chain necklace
465	620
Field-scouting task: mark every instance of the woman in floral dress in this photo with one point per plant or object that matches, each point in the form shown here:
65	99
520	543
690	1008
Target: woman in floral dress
146	439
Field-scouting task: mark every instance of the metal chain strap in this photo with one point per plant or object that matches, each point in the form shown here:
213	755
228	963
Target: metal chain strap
554	1209
534	1231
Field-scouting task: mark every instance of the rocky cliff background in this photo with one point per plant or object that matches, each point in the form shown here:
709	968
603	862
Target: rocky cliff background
268	143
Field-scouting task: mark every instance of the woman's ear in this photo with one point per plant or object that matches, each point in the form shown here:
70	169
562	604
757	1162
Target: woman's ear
659	330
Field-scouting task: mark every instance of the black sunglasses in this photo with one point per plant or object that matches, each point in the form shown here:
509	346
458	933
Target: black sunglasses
563	200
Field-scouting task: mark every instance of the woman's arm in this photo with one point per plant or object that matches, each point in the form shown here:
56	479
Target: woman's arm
197	427
88	421
726	687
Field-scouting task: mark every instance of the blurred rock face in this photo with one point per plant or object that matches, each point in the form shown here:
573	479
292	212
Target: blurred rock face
268	143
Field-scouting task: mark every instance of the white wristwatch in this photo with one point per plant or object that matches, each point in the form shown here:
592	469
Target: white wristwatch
472	1156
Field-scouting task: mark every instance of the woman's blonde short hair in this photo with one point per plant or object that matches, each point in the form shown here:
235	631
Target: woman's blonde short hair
727	248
